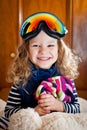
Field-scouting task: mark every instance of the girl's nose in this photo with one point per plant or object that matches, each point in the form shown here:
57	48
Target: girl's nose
43	49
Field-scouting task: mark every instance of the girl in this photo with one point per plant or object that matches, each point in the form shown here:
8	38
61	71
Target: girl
42	55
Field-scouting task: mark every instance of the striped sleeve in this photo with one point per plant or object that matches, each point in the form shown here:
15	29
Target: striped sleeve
12	106
75	106
13	102
3	123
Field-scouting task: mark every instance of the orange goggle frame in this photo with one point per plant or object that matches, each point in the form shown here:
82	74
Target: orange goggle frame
42	21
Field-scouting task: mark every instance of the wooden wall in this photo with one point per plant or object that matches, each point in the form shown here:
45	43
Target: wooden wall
73	13
79	42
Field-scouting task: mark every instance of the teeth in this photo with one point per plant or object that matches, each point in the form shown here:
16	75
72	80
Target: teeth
43	58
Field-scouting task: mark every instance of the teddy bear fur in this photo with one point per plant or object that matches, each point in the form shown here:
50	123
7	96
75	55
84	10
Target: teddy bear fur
28	119
25	119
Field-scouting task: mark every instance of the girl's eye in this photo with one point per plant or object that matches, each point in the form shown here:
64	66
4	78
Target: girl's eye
35	45
51	45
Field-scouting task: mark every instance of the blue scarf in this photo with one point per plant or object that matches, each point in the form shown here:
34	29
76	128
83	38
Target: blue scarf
38	75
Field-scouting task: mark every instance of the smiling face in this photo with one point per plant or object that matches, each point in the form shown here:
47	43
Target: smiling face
43	50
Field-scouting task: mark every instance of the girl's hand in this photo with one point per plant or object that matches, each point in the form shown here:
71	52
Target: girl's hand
41	111
50	103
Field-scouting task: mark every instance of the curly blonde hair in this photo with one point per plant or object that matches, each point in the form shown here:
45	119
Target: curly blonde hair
20	69
67	61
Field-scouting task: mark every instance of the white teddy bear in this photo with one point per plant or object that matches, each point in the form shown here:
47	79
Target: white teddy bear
28	119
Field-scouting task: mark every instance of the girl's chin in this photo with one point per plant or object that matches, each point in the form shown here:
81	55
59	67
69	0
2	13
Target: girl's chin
43	67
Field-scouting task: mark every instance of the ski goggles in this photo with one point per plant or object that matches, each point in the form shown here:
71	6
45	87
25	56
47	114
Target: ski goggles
51	24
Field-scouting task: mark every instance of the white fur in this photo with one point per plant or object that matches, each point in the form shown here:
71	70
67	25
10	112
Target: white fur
25	119
83	105
64	121
2	106
28	119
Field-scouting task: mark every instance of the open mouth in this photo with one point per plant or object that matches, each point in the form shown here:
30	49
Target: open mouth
44	58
